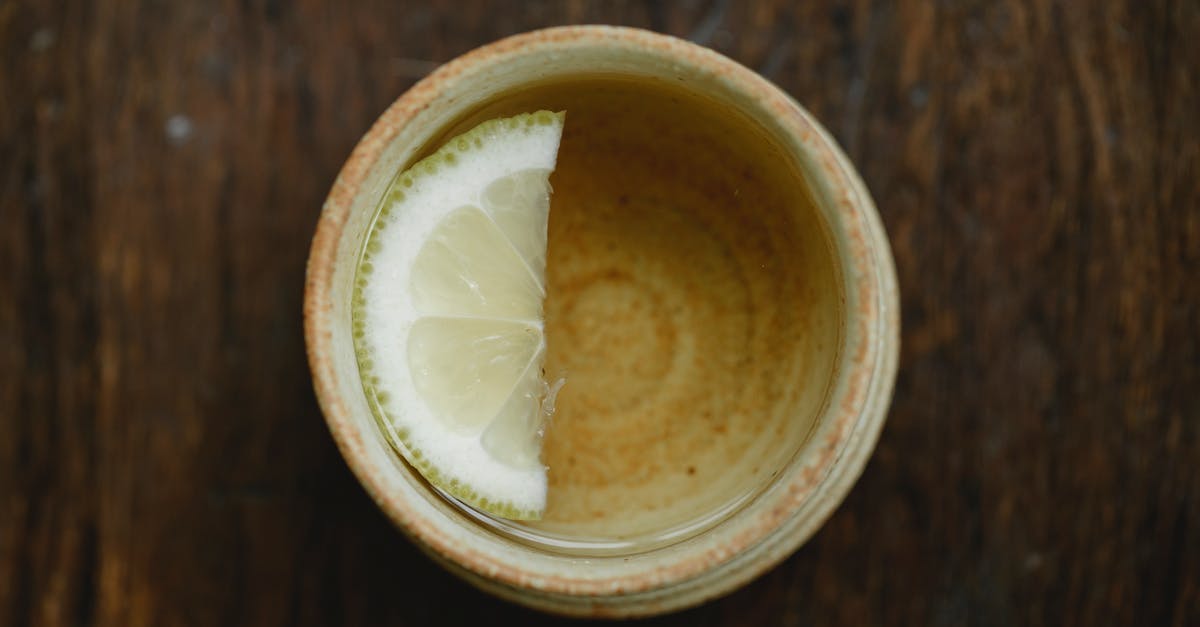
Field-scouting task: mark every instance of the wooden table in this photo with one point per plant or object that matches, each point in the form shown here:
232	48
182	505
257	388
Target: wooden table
163	460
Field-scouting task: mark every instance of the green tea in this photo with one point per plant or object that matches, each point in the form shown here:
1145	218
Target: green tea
692	307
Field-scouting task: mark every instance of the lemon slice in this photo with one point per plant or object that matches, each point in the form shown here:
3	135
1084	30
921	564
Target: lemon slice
447	313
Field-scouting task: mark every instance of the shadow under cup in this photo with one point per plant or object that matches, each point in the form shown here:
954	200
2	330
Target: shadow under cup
720	300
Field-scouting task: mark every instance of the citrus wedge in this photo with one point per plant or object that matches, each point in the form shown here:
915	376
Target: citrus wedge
447	313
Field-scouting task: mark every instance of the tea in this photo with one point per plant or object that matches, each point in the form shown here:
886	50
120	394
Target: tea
692	305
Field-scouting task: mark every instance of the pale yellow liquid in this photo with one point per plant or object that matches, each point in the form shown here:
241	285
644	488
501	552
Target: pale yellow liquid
692	306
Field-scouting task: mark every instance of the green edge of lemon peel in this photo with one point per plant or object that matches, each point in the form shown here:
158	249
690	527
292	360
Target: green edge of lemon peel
447	155
400	438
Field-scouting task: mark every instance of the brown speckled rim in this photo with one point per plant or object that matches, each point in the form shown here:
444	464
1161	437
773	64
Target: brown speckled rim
797	505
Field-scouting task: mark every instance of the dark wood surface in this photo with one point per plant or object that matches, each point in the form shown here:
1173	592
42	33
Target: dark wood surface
163	460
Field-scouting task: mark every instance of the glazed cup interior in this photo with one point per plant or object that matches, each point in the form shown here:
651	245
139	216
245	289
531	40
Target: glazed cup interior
693	311
808	290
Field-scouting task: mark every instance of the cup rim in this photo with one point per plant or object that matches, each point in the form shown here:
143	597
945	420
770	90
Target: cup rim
854	417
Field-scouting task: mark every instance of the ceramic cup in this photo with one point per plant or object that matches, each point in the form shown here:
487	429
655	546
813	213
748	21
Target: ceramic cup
854	355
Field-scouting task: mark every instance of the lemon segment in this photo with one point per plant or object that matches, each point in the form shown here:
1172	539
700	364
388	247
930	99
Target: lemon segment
468	267
447	313
466	369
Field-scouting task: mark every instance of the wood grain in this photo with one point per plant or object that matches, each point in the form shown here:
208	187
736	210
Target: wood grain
163	461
